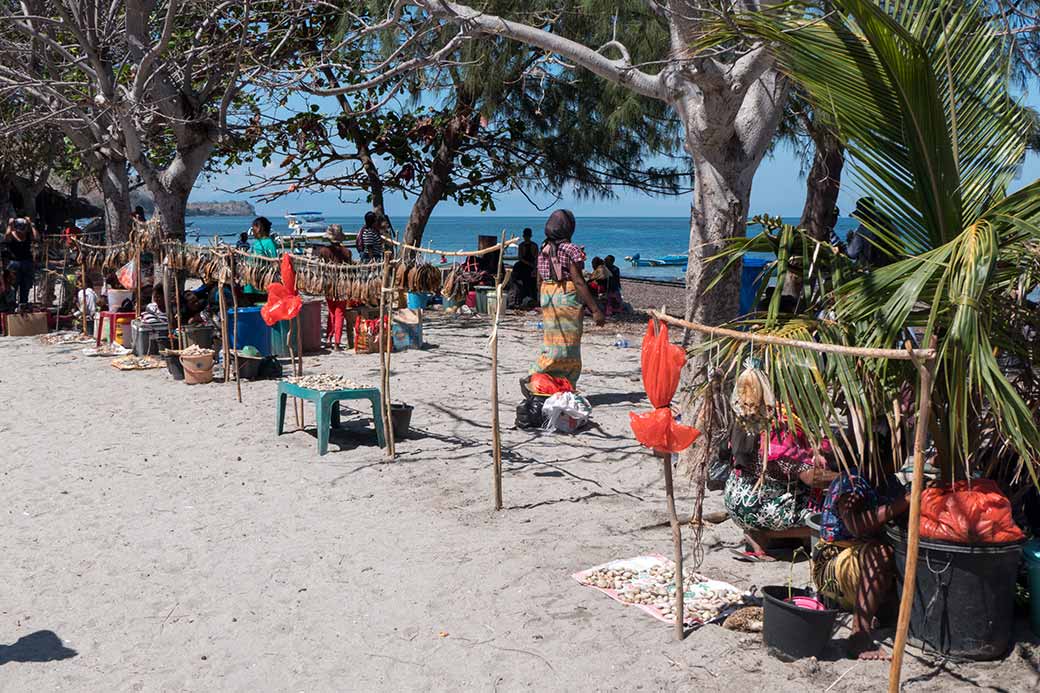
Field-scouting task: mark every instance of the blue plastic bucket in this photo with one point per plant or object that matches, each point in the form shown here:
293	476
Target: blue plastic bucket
252	330
417	301
1031	554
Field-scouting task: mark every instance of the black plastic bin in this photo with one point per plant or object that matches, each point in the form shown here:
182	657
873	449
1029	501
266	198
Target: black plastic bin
400	419
791	632
964	596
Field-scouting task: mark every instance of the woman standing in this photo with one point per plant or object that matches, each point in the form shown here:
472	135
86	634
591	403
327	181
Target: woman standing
336	253
19	237
563	291
264	246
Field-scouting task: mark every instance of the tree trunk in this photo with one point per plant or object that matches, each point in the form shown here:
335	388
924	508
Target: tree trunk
436	184
7	209
821	199
115	188
172	208
823	185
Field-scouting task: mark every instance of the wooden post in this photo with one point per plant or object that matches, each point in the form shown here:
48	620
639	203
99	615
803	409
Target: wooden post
137	281
177	305
166	289
496	433
680	627
925	370
299	365
385	342
234	298
83	275
223	331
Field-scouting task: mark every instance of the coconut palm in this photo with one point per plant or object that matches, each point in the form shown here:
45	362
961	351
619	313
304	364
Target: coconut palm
918	91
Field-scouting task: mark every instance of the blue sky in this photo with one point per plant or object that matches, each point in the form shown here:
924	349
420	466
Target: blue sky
779	189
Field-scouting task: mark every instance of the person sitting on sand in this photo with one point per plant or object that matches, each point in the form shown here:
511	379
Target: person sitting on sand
852	565
775	502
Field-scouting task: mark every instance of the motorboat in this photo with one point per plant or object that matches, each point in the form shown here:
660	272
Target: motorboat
308	228
663	261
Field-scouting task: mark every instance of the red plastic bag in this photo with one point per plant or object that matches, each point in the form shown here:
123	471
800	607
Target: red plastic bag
127	275
975	512
662	364
658	430
545	384
283	303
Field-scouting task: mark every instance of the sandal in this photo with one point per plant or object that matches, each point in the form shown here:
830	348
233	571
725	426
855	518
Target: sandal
752	556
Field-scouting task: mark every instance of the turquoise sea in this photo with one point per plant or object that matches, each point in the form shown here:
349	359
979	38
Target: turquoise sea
617	236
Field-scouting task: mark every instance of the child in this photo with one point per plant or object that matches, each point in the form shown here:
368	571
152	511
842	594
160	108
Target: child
853	565
154	314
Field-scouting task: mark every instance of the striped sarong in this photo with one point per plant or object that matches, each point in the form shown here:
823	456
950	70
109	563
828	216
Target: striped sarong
562	313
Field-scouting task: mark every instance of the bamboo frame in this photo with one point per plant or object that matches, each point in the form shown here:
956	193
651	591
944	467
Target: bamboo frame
457	253
385	343
496	434
83	275
677	552
924	360
862	352
925	370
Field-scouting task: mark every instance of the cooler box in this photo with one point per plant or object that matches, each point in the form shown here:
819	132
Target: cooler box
750	279
252	330
406	330
310	323
25	324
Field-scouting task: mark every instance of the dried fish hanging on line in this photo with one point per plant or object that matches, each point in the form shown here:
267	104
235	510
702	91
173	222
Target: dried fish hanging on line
454	289
207	263
339	281
105	257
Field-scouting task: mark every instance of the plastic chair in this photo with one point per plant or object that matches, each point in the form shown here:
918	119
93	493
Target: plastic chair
112	317
326	405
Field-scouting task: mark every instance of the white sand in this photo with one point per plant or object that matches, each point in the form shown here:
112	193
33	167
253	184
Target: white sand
168	537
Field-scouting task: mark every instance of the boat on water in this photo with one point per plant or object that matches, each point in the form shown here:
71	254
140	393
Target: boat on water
663	261
308	228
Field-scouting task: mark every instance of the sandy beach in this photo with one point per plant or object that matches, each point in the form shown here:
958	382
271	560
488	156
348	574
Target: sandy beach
174	543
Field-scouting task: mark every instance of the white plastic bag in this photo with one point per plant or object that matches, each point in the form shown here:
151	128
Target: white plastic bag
566	412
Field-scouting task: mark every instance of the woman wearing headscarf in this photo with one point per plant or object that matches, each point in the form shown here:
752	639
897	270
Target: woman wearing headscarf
563	291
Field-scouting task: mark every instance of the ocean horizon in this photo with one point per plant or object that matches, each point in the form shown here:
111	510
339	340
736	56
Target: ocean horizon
649	237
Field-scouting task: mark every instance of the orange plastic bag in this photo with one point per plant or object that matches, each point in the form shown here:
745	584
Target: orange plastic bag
968	513
662	363
658	430
545	384
283	303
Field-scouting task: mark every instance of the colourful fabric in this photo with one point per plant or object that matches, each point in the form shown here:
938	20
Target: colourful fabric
567	253
837	570
266	248
562	323
832	528
334	328
769	505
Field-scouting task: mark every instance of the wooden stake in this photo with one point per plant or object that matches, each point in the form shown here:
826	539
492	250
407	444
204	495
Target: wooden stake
299	368
496	433
234	298
680	628
83	271
223	332
384	344
177	303
137	281
913	539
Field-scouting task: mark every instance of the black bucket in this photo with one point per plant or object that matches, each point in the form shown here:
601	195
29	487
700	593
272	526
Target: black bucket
248	366
401	419
791	632
173	365
964	596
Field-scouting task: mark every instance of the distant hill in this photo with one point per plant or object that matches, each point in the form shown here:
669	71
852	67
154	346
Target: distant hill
232	208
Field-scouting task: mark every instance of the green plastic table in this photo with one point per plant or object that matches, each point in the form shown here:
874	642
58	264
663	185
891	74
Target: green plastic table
326	405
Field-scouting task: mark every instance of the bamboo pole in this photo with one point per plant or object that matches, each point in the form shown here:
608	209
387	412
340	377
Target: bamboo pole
496	433
299	368
673	519
234	298
894	354
177	305
386	303
83	275
925	370
137	282
222	302
297	404
458	253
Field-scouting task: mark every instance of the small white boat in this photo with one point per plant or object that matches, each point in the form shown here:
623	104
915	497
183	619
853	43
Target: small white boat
308	228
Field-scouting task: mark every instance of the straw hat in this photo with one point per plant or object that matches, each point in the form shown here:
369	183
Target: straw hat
334	233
